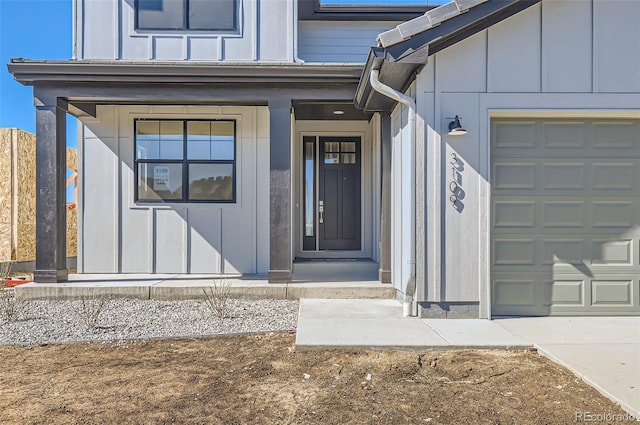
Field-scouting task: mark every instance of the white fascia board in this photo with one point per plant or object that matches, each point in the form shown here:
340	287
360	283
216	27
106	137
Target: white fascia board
422	23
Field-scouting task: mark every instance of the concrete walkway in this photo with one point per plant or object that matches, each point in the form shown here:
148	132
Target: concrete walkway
603	351
375	324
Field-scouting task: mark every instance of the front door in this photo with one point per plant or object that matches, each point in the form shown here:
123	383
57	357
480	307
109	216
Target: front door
339	193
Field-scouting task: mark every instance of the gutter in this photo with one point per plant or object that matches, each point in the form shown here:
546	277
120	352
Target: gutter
407	237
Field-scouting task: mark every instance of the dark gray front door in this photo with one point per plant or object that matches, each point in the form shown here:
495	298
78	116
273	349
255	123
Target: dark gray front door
339	193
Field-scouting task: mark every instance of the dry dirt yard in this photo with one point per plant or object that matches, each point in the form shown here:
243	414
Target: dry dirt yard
262	379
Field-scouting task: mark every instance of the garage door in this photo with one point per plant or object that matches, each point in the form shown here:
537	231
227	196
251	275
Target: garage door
565	217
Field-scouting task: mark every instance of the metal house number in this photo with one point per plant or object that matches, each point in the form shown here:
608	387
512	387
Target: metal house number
455	185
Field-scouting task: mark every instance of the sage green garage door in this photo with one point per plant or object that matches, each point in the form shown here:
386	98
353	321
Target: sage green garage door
565	217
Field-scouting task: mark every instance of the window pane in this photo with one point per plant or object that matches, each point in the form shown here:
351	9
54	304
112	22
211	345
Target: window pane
331	158
348	158
309	188
199	140
159	181
160	14
212	182
222	140
212	15
171	140
332	147
348	146
147	139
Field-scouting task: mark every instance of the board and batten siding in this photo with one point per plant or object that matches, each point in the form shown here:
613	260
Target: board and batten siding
119	235
105	30
343	42
560	59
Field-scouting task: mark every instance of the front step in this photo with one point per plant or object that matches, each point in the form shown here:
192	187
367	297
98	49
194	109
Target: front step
181	287
334	270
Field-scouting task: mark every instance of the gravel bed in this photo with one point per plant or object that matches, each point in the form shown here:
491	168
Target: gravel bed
122	319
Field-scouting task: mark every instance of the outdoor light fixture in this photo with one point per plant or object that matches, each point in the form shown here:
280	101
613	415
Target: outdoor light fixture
455	128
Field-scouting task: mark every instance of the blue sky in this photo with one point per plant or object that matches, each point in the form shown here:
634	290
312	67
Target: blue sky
34	29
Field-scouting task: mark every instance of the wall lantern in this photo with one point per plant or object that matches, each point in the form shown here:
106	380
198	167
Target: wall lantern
455	128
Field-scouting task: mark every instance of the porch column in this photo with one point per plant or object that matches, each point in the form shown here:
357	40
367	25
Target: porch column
51	209
280	190
384	273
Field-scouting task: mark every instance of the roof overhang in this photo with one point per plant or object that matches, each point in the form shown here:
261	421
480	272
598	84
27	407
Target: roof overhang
29	72
399	63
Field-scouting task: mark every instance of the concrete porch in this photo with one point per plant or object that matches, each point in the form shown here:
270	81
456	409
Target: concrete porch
190	286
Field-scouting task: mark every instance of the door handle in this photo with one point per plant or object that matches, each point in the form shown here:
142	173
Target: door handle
321	211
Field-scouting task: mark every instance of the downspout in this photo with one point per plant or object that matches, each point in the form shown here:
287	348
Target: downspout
410	304
296	30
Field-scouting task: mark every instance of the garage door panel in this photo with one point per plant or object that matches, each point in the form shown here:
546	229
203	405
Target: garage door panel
514	175
509	135
620	175
565	217
520	252
612	252
564	292
563	175
567	251
564	135
615	134
510	214
621	214
564	214
611	292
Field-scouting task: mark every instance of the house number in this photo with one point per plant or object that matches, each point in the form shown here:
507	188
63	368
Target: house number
455	185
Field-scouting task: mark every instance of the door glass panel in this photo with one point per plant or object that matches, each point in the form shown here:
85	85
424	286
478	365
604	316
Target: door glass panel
348	146
331	158
348	158
309	187
332	147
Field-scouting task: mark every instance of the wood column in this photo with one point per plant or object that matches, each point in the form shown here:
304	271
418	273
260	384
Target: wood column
280	191
51	208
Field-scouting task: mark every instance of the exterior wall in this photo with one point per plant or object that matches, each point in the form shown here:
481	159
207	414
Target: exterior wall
105	30
119	235
370	183
561	58
339	41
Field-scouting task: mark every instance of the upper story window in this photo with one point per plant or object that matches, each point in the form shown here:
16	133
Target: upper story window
185	160
186	15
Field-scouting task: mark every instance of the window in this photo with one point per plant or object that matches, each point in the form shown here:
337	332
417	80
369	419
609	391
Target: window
206	15
185	160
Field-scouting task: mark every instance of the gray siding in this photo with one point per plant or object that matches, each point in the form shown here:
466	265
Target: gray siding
105	30
171	238
347	42
561	58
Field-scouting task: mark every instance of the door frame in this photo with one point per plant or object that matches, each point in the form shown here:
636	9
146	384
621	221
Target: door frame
369	179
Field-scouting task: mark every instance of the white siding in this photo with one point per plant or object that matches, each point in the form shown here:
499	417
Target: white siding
560	58
121	235
105	29
344	42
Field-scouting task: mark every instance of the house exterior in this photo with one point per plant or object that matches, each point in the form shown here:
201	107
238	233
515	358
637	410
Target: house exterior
243	139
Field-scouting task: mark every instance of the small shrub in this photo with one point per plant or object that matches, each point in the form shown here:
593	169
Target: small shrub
89	308
218	297
10	306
